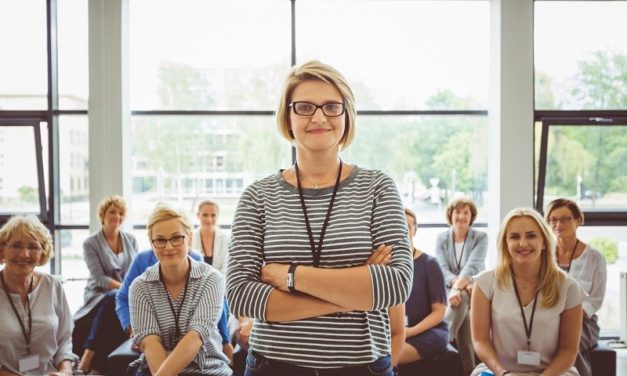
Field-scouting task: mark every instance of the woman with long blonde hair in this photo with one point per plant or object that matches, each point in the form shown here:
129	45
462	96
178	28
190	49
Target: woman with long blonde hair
526	313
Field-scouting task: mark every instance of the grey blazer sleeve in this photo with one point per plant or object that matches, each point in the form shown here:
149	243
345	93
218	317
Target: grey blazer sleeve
91	248
476	256
440	252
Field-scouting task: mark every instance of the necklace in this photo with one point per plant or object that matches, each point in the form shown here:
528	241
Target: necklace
570	262
315	185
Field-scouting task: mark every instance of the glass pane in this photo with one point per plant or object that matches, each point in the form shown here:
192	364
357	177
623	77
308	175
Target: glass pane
23	71
587	164
19	186
612	242
72	35
185	159
73	267
211	56
580	54
74	169
401	54
432	159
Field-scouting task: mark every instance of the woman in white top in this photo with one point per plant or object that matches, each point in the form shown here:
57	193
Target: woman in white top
211	242
526	313
36	327
584	264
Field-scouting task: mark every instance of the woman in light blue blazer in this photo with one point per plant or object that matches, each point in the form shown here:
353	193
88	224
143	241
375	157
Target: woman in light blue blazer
108	254
211	242
461	253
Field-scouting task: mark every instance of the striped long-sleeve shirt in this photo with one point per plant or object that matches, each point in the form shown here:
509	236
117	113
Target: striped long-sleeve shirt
151	315
269	226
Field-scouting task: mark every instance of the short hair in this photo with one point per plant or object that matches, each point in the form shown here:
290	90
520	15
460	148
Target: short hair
410	213
550	274
316	71
109	201
208	202
458	204
164	212
27	226
564	202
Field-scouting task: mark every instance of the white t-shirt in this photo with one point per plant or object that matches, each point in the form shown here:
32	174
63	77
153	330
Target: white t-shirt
508	331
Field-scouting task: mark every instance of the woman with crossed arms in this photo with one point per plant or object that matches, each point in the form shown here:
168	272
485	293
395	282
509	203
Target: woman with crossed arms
526	313
301	239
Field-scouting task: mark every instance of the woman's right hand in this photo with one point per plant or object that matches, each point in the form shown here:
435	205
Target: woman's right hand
382	255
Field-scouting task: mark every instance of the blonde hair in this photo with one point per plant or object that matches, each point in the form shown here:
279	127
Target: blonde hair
458	204
163	212
316	71
109	201
27	226
550	274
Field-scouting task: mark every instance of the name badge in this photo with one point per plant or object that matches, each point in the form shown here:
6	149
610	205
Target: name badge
28	363
529	358
406	320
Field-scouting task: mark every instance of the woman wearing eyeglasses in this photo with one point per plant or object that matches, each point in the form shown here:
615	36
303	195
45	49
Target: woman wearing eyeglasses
584	264
108	254
36	323
301	239
176	304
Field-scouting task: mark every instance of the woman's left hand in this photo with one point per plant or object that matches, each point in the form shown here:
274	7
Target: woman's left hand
275	275
61	373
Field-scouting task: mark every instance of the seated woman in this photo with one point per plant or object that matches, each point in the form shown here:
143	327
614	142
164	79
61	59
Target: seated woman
36	328
140	263
426	332
461	253
176	304
108	254
585	265
211	242
526	314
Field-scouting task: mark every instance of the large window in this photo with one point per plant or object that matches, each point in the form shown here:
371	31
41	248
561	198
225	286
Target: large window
581	125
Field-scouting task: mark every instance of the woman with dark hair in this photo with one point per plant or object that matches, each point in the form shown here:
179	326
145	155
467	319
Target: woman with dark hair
585	265
461	252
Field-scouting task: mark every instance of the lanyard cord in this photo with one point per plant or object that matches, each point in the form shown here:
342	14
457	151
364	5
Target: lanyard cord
572	256
461	255
25	333
177	316
529	327
317	251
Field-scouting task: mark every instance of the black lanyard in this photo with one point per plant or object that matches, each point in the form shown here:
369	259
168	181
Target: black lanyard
572	255
317	251
461	254
25	333
529	327
177	315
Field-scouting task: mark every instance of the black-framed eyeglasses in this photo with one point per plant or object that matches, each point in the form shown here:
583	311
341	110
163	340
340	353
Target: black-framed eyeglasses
176	240
563	220
330	109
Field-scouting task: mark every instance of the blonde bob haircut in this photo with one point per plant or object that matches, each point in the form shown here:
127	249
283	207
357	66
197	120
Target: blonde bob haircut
316	71
163	212
109	201
551	276
458	204
27	226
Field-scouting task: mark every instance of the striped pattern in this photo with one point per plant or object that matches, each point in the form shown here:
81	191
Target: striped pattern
269	226
151	314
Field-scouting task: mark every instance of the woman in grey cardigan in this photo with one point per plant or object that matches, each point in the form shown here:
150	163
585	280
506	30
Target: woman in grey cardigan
108	254
461	253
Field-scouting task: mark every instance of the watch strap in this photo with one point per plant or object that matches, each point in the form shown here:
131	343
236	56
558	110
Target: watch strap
290	277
